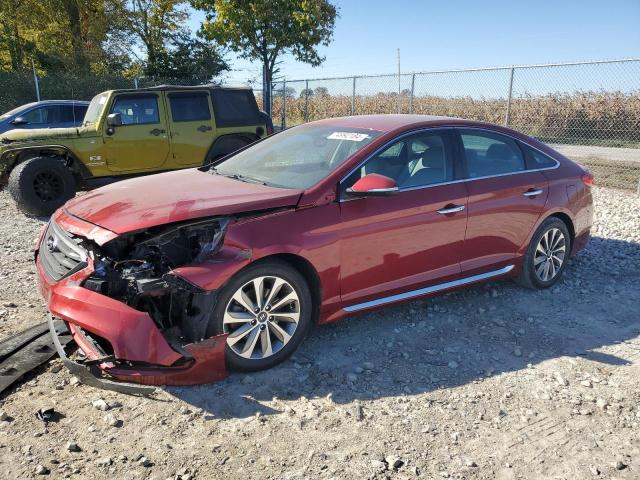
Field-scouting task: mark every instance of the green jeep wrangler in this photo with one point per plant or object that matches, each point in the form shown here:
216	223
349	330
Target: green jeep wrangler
127	133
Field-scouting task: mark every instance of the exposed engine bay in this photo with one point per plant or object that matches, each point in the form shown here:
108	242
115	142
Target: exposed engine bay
136	269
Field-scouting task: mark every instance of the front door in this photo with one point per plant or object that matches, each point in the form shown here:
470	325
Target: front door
394	244
505	199
192	126
142	141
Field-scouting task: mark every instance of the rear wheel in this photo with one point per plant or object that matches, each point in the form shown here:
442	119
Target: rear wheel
547	255
266	312
41	185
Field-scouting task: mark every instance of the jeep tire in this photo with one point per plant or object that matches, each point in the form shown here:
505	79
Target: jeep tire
41	185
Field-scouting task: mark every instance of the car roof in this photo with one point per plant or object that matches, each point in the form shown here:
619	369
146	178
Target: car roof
57	102
392	122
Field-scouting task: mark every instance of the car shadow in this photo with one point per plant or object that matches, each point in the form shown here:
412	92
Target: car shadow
450	340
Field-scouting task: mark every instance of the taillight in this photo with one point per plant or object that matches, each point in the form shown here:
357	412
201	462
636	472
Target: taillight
587	179
269	129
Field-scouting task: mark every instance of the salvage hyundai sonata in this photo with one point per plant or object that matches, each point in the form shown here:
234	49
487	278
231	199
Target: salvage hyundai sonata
169	279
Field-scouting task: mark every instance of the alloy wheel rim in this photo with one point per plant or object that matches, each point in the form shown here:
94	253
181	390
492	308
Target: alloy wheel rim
550	254
261	317
47	186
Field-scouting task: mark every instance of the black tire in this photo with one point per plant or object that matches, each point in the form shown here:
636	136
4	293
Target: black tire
41	185
528	277
267	268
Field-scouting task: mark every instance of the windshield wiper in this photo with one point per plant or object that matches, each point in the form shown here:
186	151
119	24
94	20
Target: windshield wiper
237	176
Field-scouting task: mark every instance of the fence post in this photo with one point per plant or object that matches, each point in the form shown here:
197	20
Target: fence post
413	83
508	114
35	80
353	97
284	104
306	100
135	82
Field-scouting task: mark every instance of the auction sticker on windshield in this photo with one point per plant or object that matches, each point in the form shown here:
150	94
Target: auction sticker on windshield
354	137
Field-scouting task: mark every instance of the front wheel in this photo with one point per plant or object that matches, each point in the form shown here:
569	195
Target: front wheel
41	185
266	312
547	255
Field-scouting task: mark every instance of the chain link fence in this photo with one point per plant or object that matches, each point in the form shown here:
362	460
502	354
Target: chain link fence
589	111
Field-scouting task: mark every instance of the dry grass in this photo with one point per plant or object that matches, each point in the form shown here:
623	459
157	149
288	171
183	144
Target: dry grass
596	118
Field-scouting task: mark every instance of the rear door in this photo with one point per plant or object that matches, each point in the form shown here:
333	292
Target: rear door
142	141
192	126
505	199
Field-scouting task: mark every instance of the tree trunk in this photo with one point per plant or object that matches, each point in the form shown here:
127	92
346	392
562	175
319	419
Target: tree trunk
72	10
267	75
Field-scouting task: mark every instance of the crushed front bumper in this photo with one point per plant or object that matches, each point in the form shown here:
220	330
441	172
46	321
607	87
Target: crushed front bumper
137	350
91	375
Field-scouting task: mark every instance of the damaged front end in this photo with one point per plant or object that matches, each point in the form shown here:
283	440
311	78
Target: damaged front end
127	309
136	269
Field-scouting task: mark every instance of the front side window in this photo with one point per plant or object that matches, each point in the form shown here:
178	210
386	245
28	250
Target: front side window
489	154
414	161
137	109
297	158
43	115
189	107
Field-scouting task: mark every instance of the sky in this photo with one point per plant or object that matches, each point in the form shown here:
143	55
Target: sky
439	34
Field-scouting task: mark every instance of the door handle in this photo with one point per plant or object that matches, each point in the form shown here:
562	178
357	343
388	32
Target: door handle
157	131
532	192
204	128
451	209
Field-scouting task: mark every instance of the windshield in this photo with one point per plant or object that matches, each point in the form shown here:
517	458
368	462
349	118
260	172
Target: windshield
94	109
10	113
297	158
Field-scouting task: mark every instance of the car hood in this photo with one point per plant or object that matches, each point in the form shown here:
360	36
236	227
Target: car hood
170	197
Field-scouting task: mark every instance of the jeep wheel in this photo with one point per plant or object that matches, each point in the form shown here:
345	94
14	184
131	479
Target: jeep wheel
41	185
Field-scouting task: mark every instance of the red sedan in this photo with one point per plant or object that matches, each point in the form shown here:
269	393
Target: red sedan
166	279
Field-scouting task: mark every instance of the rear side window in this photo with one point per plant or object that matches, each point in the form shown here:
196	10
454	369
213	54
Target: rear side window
235	108
78	112
537	159
189	107
66	114
489	154
137	109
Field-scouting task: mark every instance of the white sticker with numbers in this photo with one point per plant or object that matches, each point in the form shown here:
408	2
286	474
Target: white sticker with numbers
354	137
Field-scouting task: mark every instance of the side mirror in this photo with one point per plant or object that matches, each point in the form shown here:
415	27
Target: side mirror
114	119
19	121
373	184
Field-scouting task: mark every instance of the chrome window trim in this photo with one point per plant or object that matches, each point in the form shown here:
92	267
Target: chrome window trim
454	127
424	291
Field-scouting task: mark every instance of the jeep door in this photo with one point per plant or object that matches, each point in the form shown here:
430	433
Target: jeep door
192	126
142	141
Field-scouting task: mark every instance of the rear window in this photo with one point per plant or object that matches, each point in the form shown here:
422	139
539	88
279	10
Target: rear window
235	108
189	107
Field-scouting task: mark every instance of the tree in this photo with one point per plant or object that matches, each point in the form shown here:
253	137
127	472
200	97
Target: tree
263	30
155	23
321	91
306	92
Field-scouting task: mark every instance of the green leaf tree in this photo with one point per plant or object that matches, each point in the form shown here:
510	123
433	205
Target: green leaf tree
263	30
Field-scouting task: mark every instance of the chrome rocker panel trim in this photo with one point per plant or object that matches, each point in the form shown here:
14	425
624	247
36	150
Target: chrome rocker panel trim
427	290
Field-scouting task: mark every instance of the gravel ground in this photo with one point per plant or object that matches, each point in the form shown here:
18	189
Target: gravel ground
489	382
